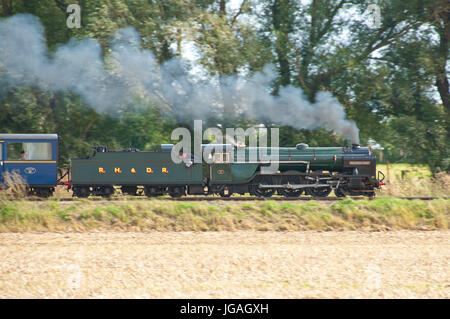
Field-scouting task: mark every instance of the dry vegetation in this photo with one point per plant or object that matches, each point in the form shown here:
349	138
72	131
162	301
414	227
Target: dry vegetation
308	264
413	180
348	214
264	249
16	185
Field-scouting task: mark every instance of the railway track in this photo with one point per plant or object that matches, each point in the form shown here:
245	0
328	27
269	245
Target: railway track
229	199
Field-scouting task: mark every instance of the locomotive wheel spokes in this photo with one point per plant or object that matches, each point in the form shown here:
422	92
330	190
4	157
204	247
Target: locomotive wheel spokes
292	179
291	192
264	192
339	192
320	191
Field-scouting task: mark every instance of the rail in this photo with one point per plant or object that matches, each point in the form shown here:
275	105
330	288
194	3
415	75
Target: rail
217	198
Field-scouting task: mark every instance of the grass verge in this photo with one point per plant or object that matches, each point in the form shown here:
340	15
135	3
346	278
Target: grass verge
154	215
413	180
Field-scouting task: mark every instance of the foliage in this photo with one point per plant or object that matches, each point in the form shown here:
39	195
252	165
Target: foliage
392	80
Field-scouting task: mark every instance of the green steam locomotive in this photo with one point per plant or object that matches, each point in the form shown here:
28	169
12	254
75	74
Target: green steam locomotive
314	171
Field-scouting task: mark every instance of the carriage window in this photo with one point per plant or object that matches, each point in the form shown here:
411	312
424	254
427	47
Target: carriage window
29	151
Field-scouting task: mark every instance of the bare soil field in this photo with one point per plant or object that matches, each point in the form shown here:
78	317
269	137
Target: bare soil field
244	264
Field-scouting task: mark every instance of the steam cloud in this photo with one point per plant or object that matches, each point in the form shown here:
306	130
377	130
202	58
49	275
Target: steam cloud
128	71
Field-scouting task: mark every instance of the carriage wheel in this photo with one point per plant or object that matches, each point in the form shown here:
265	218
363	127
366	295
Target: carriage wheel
43	192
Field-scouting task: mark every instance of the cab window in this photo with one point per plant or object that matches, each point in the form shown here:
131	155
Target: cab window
221	158
29	151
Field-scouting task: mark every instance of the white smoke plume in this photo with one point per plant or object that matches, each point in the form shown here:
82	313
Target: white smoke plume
79	67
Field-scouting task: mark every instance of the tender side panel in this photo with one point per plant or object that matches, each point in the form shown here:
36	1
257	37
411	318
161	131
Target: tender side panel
133	168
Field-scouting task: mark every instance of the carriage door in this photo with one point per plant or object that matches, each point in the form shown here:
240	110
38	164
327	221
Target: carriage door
221	168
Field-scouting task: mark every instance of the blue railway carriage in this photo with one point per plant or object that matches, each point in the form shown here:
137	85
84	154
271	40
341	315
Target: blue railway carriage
29	159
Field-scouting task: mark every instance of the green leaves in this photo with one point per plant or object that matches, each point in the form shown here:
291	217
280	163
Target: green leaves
392	80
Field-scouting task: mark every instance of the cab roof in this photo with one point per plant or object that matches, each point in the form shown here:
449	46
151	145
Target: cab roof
28	136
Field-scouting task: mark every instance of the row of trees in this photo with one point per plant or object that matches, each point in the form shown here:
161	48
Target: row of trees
392	78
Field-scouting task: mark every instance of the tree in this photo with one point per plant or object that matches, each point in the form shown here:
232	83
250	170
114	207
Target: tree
227	44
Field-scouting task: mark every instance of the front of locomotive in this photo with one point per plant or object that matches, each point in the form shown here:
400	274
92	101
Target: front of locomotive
359	165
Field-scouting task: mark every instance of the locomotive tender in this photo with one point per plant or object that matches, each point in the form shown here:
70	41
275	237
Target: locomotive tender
314	171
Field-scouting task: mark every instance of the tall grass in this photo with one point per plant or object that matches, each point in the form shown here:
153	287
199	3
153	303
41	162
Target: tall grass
378	214
413	180
13	185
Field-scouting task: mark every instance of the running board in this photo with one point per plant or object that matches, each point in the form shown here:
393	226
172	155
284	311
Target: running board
294	186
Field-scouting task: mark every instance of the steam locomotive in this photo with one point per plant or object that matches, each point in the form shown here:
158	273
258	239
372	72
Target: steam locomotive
314	171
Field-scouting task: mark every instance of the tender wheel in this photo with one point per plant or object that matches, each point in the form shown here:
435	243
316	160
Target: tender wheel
320	191
153	191
129	190
81	191
176	192
107	191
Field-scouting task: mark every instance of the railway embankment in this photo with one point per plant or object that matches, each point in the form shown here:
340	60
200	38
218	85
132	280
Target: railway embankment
380	214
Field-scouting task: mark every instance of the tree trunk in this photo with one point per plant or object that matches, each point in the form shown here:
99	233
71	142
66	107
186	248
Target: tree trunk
441	72
222	9
282	24
443	88
6	8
